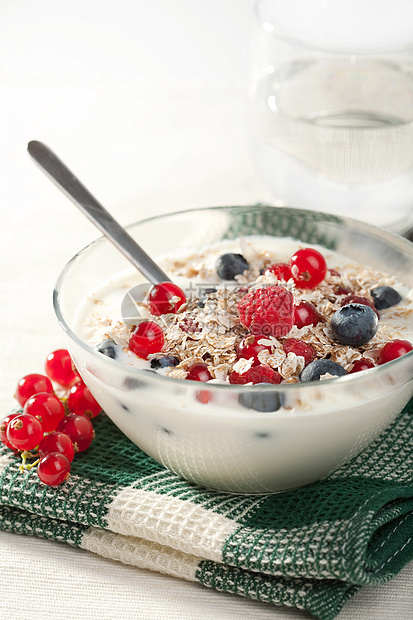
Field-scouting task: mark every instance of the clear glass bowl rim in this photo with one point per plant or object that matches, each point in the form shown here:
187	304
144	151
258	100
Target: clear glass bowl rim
351	379
297	42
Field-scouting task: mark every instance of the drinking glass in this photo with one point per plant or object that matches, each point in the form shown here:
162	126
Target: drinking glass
331	107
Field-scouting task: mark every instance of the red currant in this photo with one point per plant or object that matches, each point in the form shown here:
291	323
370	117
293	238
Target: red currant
356	299
81	401
362	364
203	396
24	432
79	429
281	270
47	408
53	469
165	298
199	372
305	313
3	430
146	338
256	374
308	268
59	367
249	347
32	384
57	442
393	349
299	347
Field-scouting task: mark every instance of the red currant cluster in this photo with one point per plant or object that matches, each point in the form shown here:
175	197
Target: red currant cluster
51	429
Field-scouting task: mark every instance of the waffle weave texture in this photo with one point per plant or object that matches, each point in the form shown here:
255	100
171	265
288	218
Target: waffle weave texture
310	548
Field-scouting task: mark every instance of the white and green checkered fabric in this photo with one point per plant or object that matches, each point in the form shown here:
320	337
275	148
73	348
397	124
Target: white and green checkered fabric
310	548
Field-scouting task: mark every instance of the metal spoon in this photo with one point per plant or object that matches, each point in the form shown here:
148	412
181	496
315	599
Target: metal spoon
96	213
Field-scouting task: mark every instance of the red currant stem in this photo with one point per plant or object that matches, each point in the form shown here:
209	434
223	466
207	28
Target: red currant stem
30	465
29	454
24	465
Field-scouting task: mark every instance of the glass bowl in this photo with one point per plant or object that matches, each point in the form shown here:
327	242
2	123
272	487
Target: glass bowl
221	444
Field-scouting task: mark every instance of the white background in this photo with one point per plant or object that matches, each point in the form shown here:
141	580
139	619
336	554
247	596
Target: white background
145	101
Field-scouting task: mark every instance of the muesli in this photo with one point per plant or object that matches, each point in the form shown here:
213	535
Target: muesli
253	310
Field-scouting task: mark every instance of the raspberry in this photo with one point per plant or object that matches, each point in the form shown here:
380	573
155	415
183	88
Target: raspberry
299	347
256	374
267	311
249	347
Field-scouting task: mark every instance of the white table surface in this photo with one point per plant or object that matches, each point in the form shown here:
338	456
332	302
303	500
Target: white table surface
145	101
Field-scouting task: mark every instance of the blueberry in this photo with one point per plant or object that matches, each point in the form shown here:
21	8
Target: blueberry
203	294
229	265
385	297
167	431
316	369
130	383
354	324
261	401
164	362
107	347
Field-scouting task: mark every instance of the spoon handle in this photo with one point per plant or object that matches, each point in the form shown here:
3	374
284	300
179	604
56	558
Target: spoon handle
73	188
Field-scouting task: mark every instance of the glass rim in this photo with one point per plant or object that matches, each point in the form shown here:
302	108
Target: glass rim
271	28
155	378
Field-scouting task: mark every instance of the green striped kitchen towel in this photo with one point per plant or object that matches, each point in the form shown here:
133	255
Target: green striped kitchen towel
310	548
